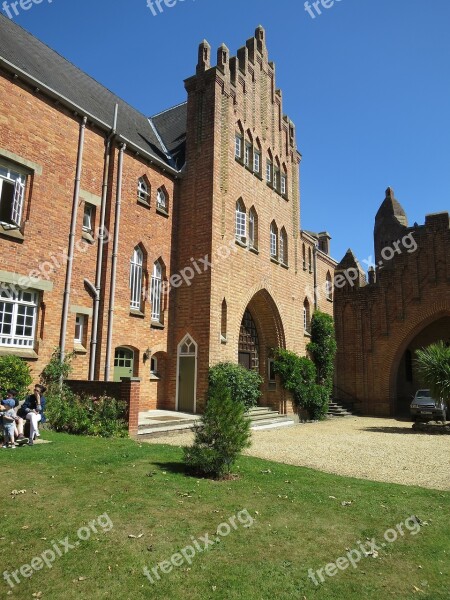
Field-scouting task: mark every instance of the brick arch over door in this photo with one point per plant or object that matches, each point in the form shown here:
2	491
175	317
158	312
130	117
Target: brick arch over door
424	317
270	334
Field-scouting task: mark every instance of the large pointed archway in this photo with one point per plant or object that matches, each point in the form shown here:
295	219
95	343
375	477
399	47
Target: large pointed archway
405	378
261	331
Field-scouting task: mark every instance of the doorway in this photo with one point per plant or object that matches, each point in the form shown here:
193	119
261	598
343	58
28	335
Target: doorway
187	376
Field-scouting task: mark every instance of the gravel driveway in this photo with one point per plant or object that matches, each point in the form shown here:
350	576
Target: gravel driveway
365	447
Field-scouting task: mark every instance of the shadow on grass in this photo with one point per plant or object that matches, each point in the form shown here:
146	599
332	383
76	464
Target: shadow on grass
177	468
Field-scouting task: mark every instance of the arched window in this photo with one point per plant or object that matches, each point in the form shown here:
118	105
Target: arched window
253	229
304	256
283	246
241	221
161	199
273	240
156	292
283	182
329	287
306	316
136	263
143	192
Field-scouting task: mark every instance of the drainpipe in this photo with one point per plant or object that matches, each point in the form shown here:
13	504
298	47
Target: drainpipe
72	235
101	242
114	262
315	249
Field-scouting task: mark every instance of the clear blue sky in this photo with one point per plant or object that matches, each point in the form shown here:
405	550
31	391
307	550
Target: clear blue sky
367	84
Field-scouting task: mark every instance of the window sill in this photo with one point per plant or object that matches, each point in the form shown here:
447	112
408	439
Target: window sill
162	212
154	377
79	348
88	237
330	300
239	160
241	243
223	340
258	175
284	265
274	260
157	325
307	334
136	313
143	203
14	234
20	352
253	249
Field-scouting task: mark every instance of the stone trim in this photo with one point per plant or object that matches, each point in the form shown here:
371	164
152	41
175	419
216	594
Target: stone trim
21	161
25	281
90	198
81	310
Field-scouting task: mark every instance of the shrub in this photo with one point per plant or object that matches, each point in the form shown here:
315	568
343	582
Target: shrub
14	374
299	375
224	431
322	348
85	415
56	371
244	385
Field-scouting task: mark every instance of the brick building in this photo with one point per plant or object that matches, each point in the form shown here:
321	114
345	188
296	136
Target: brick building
405	305
153	247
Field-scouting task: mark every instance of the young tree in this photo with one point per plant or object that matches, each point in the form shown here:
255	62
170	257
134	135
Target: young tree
223	433
433	364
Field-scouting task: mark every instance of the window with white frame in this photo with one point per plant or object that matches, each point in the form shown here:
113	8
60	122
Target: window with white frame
253	229
238	146
273	241
276	178
161	199
136	263
80	321
269	171
143	192
283	183
153	366
88	218
12	195
257	161
241	221
156	292
248	154
283	247
18	317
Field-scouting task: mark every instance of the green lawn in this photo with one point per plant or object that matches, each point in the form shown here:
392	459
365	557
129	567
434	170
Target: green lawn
142	489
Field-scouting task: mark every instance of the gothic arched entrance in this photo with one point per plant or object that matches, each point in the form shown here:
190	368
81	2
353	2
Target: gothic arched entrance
261	331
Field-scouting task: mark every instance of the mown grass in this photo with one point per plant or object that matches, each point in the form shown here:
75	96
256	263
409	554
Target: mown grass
143	489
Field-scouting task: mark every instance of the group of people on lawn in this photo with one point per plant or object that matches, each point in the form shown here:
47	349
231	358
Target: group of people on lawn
13	422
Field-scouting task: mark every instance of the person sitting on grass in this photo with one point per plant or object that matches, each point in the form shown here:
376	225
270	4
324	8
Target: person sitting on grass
9	420
33	411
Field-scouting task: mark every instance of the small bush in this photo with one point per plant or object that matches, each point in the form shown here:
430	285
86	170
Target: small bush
85	415
244	385
223	433
14	374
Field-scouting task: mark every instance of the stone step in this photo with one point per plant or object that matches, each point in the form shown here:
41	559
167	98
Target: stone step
178	423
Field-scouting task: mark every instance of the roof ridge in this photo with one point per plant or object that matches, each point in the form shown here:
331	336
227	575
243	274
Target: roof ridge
168	109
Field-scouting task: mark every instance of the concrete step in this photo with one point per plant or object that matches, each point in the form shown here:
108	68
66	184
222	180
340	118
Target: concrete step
272	423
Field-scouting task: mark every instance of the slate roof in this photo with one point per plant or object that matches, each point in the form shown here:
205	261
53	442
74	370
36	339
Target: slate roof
25	52
171	126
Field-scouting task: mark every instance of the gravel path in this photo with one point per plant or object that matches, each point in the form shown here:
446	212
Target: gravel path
364	447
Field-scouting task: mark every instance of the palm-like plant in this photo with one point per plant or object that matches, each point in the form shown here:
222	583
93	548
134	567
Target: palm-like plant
433	364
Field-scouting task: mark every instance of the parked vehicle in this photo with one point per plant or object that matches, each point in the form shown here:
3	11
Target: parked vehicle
426	408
